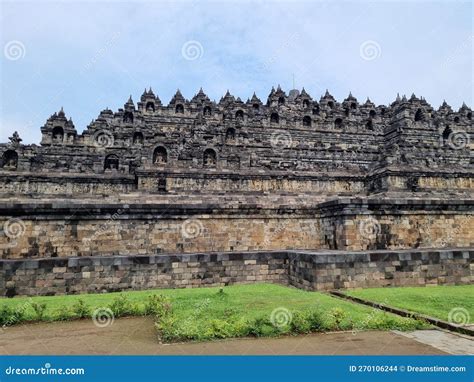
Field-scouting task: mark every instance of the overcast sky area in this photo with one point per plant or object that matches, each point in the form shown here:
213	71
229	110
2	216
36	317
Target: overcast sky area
86	56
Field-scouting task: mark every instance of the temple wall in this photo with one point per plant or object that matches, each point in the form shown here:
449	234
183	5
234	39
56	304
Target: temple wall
418	230
61	230
112	183
430	182
241	182
43	184
60	238
380	269
307	270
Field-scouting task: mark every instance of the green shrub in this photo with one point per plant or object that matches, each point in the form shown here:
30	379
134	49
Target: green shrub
385	321
10	316
241	328
300	323
190	329
63	313
167	329
172	328
158	305
122	306
262	326
219	329
5	315
315	320
81	309
40	309
336	316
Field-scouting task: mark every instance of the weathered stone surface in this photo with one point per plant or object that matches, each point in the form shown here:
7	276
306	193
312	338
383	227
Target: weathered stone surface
60	229
308	270
290	144
151	180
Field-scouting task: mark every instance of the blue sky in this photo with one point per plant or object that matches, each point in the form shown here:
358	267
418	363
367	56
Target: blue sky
89	55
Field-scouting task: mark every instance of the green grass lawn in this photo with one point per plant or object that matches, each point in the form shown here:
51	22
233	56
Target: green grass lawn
436	301
208	313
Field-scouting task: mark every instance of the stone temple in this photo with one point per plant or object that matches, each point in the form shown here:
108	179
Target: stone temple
317	194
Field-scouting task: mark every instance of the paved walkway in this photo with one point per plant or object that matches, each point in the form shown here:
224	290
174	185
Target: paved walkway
136	335
446	341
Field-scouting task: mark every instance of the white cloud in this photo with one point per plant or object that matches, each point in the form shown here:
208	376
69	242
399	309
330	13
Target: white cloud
86	56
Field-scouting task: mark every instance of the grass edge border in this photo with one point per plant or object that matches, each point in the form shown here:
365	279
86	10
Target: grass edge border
405	313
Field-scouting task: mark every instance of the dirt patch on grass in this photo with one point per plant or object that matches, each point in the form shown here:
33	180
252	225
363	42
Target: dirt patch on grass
136	335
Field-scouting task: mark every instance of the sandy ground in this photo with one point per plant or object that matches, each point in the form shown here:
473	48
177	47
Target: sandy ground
136	335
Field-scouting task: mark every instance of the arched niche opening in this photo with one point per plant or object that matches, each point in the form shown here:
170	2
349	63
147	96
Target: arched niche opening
369	125
209	158
419	115
307	121
138	138
274	118
58	134
150	107
111	162
446	133
281	100
128	117
179	109
160	156
305	104
338	123
10	160
70	138
239	115
230	135
207	112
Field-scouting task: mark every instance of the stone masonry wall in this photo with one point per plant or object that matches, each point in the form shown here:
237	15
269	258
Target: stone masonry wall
307	270
62	229
380	268
60	238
